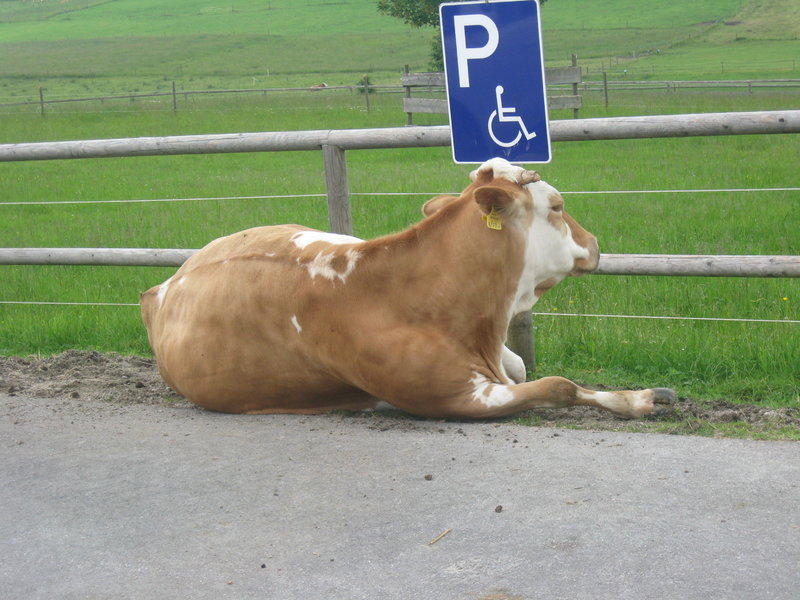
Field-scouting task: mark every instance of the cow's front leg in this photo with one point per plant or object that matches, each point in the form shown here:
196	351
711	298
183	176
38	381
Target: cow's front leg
494	399
514	366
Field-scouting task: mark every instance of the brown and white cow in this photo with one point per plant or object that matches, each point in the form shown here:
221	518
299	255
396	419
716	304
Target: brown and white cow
286	319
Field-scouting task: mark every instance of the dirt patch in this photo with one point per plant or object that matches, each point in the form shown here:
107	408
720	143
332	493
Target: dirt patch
92	376
86	375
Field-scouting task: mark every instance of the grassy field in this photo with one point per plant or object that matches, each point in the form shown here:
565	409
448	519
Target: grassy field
733	360
85	47
95	47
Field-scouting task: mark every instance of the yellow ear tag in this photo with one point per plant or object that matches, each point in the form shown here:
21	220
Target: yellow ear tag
493	220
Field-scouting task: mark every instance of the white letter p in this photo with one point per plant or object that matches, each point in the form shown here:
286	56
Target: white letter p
464	54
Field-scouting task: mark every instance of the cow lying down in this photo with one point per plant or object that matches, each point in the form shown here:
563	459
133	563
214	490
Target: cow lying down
286	319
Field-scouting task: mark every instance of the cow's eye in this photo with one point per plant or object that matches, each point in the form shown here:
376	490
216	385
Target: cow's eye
557	208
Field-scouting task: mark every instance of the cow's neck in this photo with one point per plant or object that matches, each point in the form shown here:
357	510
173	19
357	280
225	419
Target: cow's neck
454	269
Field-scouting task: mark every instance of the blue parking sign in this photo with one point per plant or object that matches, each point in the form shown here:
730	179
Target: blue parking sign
494	69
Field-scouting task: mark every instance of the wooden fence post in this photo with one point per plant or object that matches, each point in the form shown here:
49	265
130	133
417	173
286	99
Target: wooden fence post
337	189
520	339
41	99
365	83
174	99
407	94
575	111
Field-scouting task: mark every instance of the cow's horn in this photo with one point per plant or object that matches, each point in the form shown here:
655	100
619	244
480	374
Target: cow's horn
529	177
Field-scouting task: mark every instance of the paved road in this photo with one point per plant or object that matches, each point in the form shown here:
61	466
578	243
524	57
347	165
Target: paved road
101	500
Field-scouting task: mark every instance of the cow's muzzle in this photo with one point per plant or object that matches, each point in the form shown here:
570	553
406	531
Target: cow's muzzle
589	263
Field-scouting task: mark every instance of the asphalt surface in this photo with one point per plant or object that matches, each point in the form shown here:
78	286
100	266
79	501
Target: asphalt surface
102	500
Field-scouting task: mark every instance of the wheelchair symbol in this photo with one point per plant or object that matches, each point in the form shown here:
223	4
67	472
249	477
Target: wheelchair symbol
507	115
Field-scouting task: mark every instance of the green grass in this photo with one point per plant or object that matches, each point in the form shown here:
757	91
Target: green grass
754	362
681	424
721	39
89	47
111	47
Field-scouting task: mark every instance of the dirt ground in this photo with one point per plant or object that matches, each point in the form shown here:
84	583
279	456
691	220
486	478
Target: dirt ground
113	378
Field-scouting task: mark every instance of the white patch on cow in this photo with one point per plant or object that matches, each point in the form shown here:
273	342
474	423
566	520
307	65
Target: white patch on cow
550	253
500	167
513	366
322	265
302	239
488	393
182	280
162	291
632	403
296	324
382	405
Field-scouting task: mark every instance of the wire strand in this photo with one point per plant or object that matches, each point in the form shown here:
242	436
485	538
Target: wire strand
536	314
426	194
664	317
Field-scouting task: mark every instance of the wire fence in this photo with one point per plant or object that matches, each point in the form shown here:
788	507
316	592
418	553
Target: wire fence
377	194
335	143
424	194
536	314
173	97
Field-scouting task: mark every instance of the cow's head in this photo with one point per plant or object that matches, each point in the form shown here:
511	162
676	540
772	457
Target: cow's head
555	245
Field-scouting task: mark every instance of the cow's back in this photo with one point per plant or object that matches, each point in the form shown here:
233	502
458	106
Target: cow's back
225	328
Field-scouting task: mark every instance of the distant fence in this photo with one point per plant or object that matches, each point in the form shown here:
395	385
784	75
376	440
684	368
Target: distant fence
431	82
558	78
366	88
672	86
334	144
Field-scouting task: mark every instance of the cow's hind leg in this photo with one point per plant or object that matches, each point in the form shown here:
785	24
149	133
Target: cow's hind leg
495	400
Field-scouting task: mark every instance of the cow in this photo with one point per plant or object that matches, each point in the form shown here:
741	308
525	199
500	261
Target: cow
288	319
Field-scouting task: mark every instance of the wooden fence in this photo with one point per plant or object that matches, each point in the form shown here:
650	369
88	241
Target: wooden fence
366	88
435	82
334	144
557	78
672	86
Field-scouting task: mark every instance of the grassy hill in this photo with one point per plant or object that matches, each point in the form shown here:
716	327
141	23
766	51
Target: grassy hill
70	46
244	43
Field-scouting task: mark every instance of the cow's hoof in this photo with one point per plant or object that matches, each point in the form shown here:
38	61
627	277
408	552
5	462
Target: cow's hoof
662	399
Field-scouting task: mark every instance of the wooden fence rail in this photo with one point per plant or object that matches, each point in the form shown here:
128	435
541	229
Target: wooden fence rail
174	93
554	80
611	128
749	84
610	264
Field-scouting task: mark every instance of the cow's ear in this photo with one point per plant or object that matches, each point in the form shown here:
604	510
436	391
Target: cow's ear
435	204
494	198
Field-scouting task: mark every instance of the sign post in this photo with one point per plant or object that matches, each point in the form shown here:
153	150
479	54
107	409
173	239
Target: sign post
494	70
